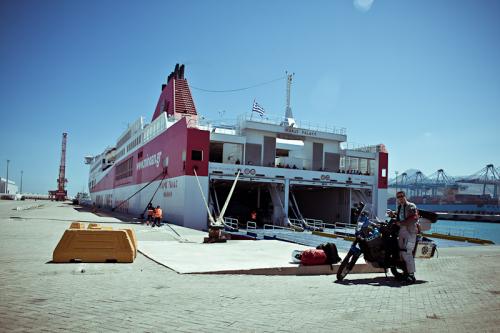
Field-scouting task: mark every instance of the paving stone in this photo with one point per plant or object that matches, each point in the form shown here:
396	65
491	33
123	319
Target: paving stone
457	292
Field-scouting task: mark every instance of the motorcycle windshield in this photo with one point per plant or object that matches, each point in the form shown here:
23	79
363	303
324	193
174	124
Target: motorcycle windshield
366	217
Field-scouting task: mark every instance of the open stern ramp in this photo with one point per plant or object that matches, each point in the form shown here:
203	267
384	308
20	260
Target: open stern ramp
318	195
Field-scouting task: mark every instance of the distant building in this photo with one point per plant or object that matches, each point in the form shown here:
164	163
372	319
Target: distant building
11	188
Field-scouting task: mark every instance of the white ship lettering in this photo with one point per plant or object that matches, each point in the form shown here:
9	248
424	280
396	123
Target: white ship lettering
153	160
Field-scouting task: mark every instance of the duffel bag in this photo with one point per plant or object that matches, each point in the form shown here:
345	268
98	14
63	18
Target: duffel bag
313	257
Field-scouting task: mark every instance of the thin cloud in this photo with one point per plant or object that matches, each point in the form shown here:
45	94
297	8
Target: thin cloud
363	5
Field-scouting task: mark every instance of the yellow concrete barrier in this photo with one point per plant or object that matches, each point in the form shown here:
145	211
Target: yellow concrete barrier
77	225
95	226
131	235
96	245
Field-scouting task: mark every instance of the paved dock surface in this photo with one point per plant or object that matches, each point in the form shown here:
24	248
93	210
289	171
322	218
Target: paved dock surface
457	292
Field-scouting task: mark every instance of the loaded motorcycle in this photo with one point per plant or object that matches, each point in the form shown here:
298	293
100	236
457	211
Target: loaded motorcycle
377	241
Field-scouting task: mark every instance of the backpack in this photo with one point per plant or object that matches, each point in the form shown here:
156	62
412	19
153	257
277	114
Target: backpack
332	255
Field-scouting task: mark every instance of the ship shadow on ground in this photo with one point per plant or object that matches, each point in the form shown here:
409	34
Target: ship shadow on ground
380	281
100	212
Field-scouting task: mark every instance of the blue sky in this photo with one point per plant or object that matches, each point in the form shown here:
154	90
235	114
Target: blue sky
422	77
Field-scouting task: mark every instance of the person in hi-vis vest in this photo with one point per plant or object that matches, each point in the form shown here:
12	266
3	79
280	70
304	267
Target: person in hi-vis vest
158	215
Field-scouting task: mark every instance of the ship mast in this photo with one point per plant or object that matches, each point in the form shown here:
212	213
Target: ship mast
289	121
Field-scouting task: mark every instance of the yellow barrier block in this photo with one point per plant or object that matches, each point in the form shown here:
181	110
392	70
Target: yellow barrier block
95	245
131	235
95	226
77	225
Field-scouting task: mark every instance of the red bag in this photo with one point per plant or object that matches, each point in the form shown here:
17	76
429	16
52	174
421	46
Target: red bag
313	257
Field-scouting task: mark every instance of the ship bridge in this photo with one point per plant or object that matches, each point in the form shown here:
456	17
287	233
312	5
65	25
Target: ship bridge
297	171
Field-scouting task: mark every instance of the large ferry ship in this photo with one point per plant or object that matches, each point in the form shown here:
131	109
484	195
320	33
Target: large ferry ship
287	169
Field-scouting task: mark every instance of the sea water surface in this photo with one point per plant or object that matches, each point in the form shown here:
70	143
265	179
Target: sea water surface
482	230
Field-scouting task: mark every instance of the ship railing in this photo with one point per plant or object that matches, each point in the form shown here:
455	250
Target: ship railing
329	228
231	223
218	126
280	120
315	223
276	227
251	225
296	223
358	147
344	228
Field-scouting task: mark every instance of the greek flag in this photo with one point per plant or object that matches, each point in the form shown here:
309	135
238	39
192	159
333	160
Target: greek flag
257	108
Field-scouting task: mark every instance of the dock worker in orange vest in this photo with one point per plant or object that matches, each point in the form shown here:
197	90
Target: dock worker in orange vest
253	215
158	215
150	211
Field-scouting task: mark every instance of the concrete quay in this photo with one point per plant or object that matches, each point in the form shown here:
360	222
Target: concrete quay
457	292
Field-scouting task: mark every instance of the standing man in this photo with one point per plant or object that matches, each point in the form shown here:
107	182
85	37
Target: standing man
158	214
150	211
407	218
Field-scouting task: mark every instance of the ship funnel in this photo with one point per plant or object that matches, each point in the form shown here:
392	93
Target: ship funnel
181	72
175	98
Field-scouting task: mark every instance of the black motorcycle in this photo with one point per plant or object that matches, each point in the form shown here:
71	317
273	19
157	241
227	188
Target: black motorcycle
377	241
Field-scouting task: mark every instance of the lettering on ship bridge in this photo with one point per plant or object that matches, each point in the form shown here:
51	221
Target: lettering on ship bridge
148	161
299	131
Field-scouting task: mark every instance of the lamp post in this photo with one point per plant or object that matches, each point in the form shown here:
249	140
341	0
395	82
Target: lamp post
21	191
7	179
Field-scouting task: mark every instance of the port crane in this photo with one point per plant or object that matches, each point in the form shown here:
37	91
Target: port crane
418	184
61	194
488	177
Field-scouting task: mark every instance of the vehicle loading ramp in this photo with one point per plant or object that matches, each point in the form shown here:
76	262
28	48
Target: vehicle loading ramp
264	257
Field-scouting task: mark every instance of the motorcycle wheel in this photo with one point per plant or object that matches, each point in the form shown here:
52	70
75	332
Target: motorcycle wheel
347	265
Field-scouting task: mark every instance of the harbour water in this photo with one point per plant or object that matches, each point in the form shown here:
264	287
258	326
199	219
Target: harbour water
482	230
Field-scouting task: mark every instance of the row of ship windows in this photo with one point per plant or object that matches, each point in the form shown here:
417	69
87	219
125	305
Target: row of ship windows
95	167
124	139
134	143
120	153
154	128
149	132
124	169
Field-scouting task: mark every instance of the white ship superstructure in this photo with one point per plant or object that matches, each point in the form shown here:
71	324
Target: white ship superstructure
288	169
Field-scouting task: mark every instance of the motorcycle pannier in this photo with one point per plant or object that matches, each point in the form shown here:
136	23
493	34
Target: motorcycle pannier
425	248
